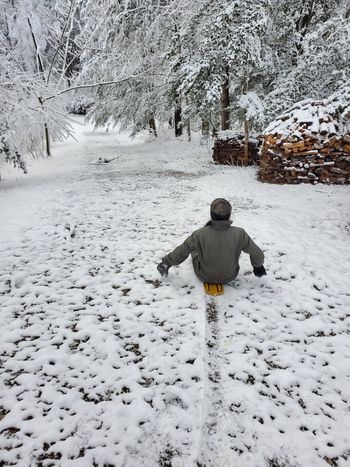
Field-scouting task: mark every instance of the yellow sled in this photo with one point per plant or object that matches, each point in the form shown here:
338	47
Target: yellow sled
213	289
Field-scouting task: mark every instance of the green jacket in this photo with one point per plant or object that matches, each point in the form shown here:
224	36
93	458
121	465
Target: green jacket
215	251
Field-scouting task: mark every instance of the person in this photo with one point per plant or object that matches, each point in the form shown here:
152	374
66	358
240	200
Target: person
216	248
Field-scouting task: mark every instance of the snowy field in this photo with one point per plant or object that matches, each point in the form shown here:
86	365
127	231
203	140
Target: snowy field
103	363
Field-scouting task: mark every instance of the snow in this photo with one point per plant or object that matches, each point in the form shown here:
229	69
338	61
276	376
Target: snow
251	103
318	117
106	363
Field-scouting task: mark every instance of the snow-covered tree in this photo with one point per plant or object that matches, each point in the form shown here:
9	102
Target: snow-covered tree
206	62
310	40
128	45
198	59
25	39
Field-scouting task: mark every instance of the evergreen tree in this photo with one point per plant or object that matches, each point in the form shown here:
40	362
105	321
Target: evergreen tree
210	64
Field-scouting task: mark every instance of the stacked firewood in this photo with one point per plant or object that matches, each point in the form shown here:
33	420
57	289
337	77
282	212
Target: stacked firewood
230	151
305	146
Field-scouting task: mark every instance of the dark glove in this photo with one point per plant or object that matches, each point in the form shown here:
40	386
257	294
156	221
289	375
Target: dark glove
163	269
259	271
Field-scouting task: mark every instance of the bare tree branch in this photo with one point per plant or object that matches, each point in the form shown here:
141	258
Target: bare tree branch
92	85
78	55
60	41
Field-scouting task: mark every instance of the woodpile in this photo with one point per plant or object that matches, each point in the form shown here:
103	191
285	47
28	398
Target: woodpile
305	145
229	150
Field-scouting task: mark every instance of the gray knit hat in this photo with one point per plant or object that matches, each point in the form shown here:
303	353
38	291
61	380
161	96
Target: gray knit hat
220	209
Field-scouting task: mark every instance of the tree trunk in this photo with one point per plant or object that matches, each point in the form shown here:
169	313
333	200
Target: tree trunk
46	133
47	141
188	129
205	128
178	119
152	126
246	141
225	102
41	71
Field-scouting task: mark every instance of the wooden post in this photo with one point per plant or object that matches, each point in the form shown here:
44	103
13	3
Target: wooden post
246	141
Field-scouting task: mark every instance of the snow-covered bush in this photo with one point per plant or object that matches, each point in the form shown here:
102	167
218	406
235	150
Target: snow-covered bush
80	105
9	153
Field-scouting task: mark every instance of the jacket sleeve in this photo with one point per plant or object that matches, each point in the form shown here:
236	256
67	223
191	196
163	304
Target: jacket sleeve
180	253
255	253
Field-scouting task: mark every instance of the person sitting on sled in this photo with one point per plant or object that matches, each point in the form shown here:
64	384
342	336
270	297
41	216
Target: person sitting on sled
216	248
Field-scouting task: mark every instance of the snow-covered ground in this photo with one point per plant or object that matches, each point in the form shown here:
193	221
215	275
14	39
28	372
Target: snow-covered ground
105	363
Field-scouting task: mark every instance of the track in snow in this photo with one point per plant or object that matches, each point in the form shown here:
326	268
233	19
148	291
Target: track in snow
214	450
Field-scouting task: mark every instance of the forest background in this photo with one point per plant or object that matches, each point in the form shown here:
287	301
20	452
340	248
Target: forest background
204	65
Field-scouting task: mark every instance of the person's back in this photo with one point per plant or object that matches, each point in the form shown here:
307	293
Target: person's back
216	248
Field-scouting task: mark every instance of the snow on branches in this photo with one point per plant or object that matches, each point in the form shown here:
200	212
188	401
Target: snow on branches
204	64
11	155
